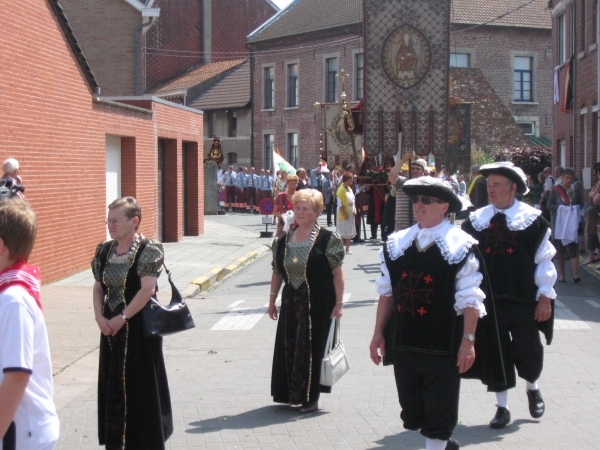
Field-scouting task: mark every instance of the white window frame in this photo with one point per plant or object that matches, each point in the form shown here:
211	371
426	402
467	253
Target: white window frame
562	145
325	77
534	78
584	134
355	52
287	83
572	29
263	100
562	39
534	120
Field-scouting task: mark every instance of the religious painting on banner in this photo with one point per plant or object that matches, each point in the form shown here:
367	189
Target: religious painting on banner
337	141
458	156
216	153
407	45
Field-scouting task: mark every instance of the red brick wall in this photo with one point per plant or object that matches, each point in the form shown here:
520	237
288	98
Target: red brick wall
54	128
493	46
306	118
586	91
105	32
179	27
232	21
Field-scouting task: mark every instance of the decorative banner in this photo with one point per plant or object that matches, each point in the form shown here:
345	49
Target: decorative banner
407	45
281	164
458	156
216	154
337	141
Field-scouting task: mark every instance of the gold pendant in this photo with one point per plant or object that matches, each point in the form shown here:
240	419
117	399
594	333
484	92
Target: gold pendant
295	260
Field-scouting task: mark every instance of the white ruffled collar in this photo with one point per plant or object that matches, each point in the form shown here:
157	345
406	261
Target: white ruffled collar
454	244
518	217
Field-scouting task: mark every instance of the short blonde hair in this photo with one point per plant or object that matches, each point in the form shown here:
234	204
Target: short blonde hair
291	177
130	206
312	196
18	228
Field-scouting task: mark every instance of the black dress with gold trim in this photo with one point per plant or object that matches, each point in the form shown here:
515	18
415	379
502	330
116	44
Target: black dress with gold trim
134	404
308	298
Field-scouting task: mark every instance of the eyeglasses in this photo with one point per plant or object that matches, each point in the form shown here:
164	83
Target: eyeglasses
424	199
114	221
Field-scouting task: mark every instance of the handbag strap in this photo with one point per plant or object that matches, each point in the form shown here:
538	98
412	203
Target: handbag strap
175	294
334	333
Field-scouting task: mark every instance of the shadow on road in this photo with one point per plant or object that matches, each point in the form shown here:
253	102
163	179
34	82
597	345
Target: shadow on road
257	418
479	434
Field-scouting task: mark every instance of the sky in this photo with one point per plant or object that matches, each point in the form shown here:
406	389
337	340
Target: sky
282	3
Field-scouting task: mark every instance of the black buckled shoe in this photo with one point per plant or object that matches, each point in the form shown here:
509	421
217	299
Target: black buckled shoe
501	419
452	444
536	404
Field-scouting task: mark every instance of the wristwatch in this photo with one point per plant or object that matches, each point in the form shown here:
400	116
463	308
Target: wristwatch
124	316
470	337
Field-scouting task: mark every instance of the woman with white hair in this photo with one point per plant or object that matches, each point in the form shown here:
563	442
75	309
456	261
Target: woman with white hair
309	260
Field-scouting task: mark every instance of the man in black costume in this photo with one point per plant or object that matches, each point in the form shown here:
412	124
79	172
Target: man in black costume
429	307
514	241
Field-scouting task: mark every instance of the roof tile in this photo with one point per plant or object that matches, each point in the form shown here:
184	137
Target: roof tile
231	92
197	75
509	13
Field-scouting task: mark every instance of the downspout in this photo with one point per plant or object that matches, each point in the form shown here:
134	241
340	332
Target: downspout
136	43
251	109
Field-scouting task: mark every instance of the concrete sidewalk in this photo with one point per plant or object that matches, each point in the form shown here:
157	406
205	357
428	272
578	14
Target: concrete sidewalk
196	263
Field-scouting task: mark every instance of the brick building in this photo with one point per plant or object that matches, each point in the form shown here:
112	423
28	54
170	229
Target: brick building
295	58
575	40
307	44
514	53
78	151
135	46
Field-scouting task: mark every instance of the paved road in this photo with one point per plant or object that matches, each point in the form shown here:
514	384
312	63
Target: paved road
219	374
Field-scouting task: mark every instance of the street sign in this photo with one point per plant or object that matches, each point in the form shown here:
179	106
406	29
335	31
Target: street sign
266	206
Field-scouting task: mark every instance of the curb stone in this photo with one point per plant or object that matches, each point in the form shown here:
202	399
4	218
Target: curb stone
213	276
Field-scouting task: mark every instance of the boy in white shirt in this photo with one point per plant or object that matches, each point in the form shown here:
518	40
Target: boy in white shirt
28	419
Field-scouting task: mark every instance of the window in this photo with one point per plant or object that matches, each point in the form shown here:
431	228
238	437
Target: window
584	135
572	34
359	74
562	47
584	19
269	87
292	85
211	122
231	158
331	70
563	152
269	140
460	60
293	149
523	86
528	128
232	123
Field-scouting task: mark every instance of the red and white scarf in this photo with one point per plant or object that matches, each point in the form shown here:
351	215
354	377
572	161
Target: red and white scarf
21	274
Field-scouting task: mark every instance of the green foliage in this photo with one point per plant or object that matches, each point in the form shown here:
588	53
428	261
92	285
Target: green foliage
481	157
531	159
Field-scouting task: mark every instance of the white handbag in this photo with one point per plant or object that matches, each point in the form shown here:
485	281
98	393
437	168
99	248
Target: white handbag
335	362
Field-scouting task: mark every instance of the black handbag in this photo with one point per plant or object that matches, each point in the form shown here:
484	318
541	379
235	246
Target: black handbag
161	320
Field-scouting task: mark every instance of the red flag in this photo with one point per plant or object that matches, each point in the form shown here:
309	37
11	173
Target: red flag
567	104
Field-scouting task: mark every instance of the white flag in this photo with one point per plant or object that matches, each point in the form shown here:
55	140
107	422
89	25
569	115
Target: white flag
281	164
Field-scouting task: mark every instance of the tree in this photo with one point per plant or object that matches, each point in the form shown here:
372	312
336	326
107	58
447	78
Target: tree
531	159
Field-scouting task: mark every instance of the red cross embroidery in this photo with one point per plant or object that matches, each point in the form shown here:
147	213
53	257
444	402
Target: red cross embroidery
404	275
421	311
428	279
488	250
510	251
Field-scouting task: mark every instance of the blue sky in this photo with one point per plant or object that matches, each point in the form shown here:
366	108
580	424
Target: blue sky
282	3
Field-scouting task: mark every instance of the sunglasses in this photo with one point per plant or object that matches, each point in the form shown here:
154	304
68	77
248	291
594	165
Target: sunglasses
424	199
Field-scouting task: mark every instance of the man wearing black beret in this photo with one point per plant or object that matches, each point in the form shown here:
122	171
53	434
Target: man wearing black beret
514	241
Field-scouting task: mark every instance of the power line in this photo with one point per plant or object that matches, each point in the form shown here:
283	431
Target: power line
501	16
